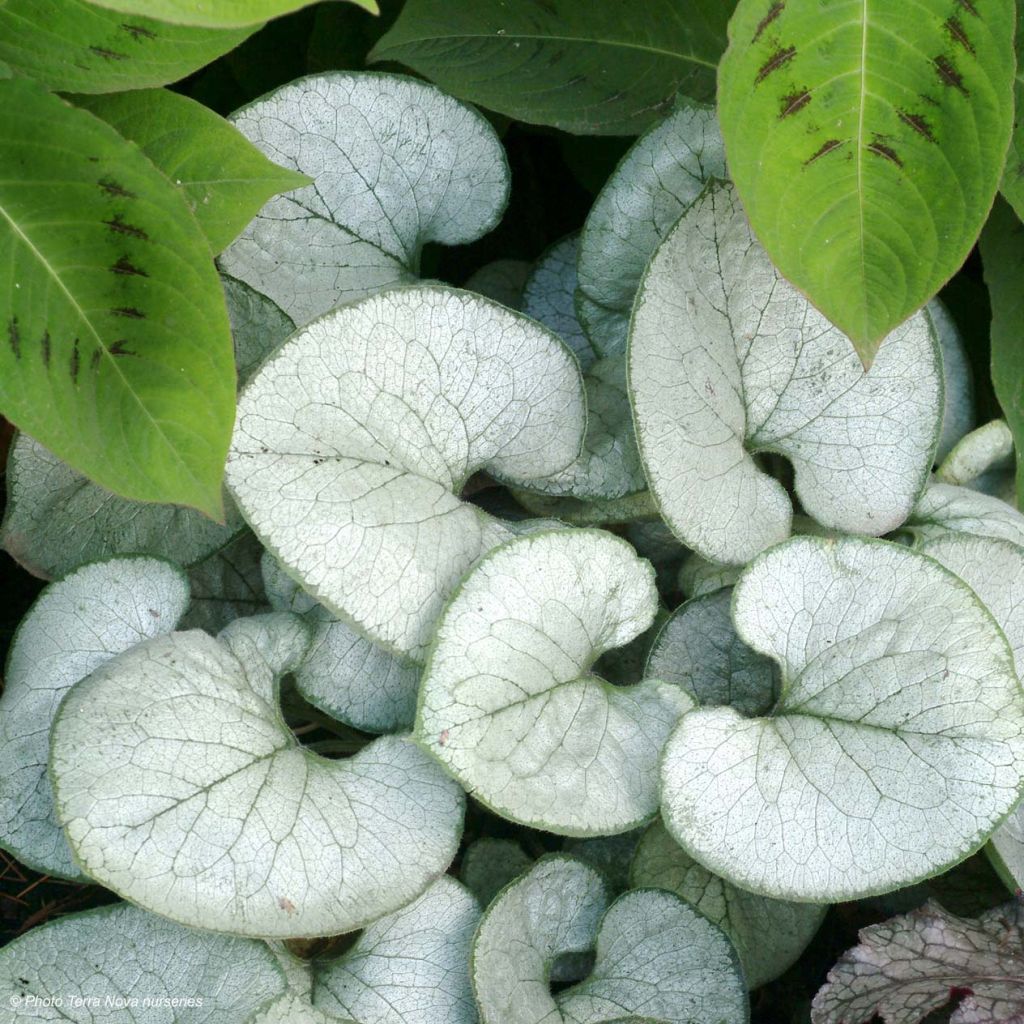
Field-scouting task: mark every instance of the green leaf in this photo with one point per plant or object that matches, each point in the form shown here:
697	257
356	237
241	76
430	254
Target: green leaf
116	349
1013	177
867	143
216	13
224	177
599	68
1002	252
75	47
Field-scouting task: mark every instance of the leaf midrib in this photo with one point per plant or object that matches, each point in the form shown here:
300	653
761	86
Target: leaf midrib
53	273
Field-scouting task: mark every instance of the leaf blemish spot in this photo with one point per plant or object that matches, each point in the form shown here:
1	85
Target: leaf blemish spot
138	31
826	148
956	30
948	73
102	51
777	60
14	336
128	311
969	7
126	267
113	188
879	148
119	349
773	12
919	124
794	103
118	225
76	361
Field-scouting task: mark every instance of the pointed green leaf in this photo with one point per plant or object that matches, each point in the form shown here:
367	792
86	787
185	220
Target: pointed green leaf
180	786
510	704
74	46
598	68
123	953
348	470
395	164
224	177
75	626
894	750
1002	252
769	935
661	175
1013	178
220	13
410	967
116	349
867	142
656	958
727	360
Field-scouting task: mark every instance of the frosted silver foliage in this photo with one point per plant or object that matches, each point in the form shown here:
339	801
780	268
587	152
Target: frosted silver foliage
345	673
354	440
698	650
509	702
906	967
57	519
957	379
944	508
226	586
395	164
728	360
74	627
769	935
983	460
549	295
698	576
660	176
181	787
994	570
656	959
896	746
258	326
411	967
292	1009
123	953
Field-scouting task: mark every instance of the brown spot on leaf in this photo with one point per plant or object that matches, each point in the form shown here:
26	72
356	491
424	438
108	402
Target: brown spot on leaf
138	31
824	150
442	740
118	225
773	12
879	148
94	359
126	267
777	60
956	29
75	362
286	905
919	124
153	613
112	188
102	51
14	336
128	311
950	76
45	345
793	103
118	348
969	8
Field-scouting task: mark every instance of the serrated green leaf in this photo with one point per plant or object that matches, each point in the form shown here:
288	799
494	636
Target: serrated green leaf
867	143
179	784
74	46
1002	252
395	164
216	13
224	177
117	348
728	360
599	68
75	626
895	748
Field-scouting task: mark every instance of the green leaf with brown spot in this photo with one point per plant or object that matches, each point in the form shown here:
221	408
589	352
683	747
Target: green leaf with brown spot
224	177
218	13
867	141
115	349
1013	176
75	47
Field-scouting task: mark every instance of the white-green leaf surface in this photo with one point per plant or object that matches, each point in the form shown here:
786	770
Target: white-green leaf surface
895	748
411	967
125	966
292	1009
509	702
662	174
981	460
728	360
698	576
395	164
489	864
656	959
74	627
769	935
180	787
698	650
994	570
944	508
549	295
344	672
355	438
258	326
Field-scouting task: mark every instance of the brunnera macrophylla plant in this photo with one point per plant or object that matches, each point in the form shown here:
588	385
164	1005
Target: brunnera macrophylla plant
456	516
